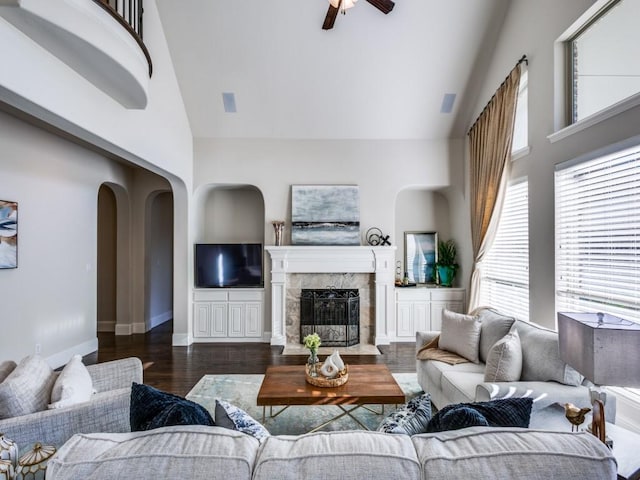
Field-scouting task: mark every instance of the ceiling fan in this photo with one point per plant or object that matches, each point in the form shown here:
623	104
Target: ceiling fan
336	6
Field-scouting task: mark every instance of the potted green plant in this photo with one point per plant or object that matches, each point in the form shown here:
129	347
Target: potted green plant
446	264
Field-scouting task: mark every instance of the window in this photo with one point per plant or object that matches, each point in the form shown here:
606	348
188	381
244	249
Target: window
521	125
601	56
505	269
598	235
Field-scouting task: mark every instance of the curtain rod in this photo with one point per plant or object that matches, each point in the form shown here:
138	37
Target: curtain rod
523	59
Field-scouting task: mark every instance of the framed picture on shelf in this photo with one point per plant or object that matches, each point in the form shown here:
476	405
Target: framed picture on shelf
420	256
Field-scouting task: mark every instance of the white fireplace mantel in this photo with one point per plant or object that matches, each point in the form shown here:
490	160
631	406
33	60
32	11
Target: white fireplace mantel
333	259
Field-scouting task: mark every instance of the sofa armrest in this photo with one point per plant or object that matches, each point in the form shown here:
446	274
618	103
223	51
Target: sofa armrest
105	412
115	374
425	337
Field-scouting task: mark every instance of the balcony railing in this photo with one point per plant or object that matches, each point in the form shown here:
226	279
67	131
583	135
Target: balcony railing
129	14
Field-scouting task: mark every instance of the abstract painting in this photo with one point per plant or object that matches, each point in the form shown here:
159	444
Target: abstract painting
8	234
420	256
325	215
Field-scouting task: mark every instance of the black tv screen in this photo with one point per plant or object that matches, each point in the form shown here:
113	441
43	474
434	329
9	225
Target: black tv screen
220	265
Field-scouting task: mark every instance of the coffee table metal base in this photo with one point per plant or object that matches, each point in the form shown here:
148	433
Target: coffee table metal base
345	412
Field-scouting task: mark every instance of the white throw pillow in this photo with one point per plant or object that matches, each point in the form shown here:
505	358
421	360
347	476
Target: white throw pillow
27	388
460	334
504	361
73	386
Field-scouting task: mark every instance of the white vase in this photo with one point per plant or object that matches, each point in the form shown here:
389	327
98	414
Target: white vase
6	470
8	450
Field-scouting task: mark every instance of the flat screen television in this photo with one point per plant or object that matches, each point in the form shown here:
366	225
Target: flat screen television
225	265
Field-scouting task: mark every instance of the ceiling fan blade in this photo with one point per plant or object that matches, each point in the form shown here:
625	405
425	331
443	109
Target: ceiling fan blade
385	6
330	19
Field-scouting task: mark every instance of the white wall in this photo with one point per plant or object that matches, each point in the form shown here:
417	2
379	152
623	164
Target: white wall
530	30
50	299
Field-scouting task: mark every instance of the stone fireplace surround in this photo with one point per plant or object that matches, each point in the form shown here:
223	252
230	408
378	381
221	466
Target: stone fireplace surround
378	262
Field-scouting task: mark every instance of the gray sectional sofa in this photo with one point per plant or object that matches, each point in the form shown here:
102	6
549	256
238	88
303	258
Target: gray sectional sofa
107	411
544	377
199	452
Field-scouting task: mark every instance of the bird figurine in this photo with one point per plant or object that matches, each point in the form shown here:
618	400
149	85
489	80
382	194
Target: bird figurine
575	415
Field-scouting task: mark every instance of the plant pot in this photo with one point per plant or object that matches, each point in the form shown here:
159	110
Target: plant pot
446	274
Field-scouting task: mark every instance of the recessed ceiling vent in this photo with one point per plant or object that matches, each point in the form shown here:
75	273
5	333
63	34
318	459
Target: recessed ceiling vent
229	101
447	103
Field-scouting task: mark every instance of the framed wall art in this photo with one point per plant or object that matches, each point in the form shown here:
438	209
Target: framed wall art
8	234
420	256
325	215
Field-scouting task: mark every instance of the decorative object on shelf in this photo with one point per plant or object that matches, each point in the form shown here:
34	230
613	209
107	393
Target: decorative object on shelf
312	342
398	272
278	227
375	237
420	256
332	365
446	264
325	215
603	348
7	470
8	450
575	415
33	464
8	234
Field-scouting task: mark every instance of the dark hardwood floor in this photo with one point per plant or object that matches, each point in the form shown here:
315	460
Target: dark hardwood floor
178	369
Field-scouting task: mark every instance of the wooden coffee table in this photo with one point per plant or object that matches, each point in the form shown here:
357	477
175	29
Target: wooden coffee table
285	385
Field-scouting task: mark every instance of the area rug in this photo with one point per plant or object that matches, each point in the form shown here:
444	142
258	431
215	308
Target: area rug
242	391
360	349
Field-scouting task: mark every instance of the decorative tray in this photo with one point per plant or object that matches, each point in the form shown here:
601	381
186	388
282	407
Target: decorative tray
322	381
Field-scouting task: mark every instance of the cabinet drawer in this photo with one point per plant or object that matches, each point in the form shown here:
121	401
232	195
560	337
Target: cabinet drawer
447	294
246	295
210	295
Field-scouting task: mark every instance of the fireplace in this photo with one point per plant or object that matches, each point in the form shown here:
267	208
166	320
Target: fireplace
334	314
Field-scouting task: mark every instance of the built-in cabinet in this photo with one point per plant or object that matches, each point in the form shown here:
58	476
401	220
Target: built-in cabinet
420	309
228	315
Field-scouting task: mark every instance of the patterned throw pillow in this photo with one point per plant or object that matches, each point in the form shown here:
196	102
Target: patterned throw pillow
152	408
234	418
504	412
410	419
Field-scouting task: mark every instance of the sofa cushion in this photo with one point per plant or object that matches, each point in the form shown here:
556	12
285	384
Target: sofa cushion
27	389
343	454
460	387
506	412
494	327
504	362
411	418
193	452
541	356
486	452
152	408
72	386
234	418
6	368
435	371
460	334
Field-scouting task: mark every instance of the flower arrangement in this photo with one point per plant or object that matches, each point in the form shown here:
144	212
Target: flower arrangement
312	342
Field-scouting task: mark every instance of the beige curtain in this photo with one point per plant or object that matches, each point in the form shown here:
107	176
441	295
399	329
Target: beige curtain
490	140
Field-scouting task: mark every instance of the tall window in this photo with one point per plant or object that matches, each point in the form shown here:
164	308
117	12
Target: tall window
601	56
598	235
521	124
505	269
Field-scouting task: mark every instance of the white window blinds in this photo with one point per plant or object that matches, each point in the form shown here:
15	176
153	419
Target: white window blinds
598	235
505	269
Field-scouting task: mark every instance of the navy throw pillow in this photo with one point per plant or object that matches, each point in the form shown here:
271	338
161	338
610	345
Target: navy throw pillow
152	408
504	412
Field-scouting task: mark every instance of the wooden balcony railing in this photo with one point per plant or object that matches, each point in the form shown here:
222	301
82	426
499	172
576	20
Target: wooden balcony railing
129	14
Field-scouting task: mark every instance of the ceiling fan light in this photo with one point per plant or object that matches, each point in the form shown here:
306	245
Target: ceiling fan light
343	5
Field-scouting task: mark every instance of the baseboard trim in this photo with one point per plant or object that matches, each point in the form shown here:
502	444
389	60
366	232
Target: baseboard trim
181	340
62	358
139	327
125	329
160	319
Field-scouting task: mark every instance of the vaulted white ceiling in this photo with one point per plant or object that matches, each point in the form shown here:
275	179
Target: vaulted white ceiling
373	76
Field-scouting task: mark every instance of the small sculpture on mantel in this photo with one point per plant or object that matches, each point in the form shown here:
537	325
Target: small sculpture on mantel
278	227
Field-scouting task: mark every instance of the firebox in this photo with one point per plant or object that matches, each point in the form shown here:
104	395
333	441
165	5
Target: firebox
334	314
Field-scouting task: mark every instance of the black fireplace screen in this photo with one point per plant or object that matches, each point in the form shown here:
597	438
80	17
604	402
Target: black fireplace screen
334	314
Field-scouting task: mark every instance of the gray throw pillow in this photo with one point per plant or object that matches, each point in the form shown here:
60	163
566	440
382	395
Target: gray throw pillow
411	418
494	326
6	368
460	334
504	362
27	388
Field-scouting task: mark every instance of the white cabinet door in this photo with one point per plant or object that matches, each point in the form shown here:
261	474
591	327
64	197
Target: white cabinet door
253	320
404	320
201	319
421	317
236	319
218	319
